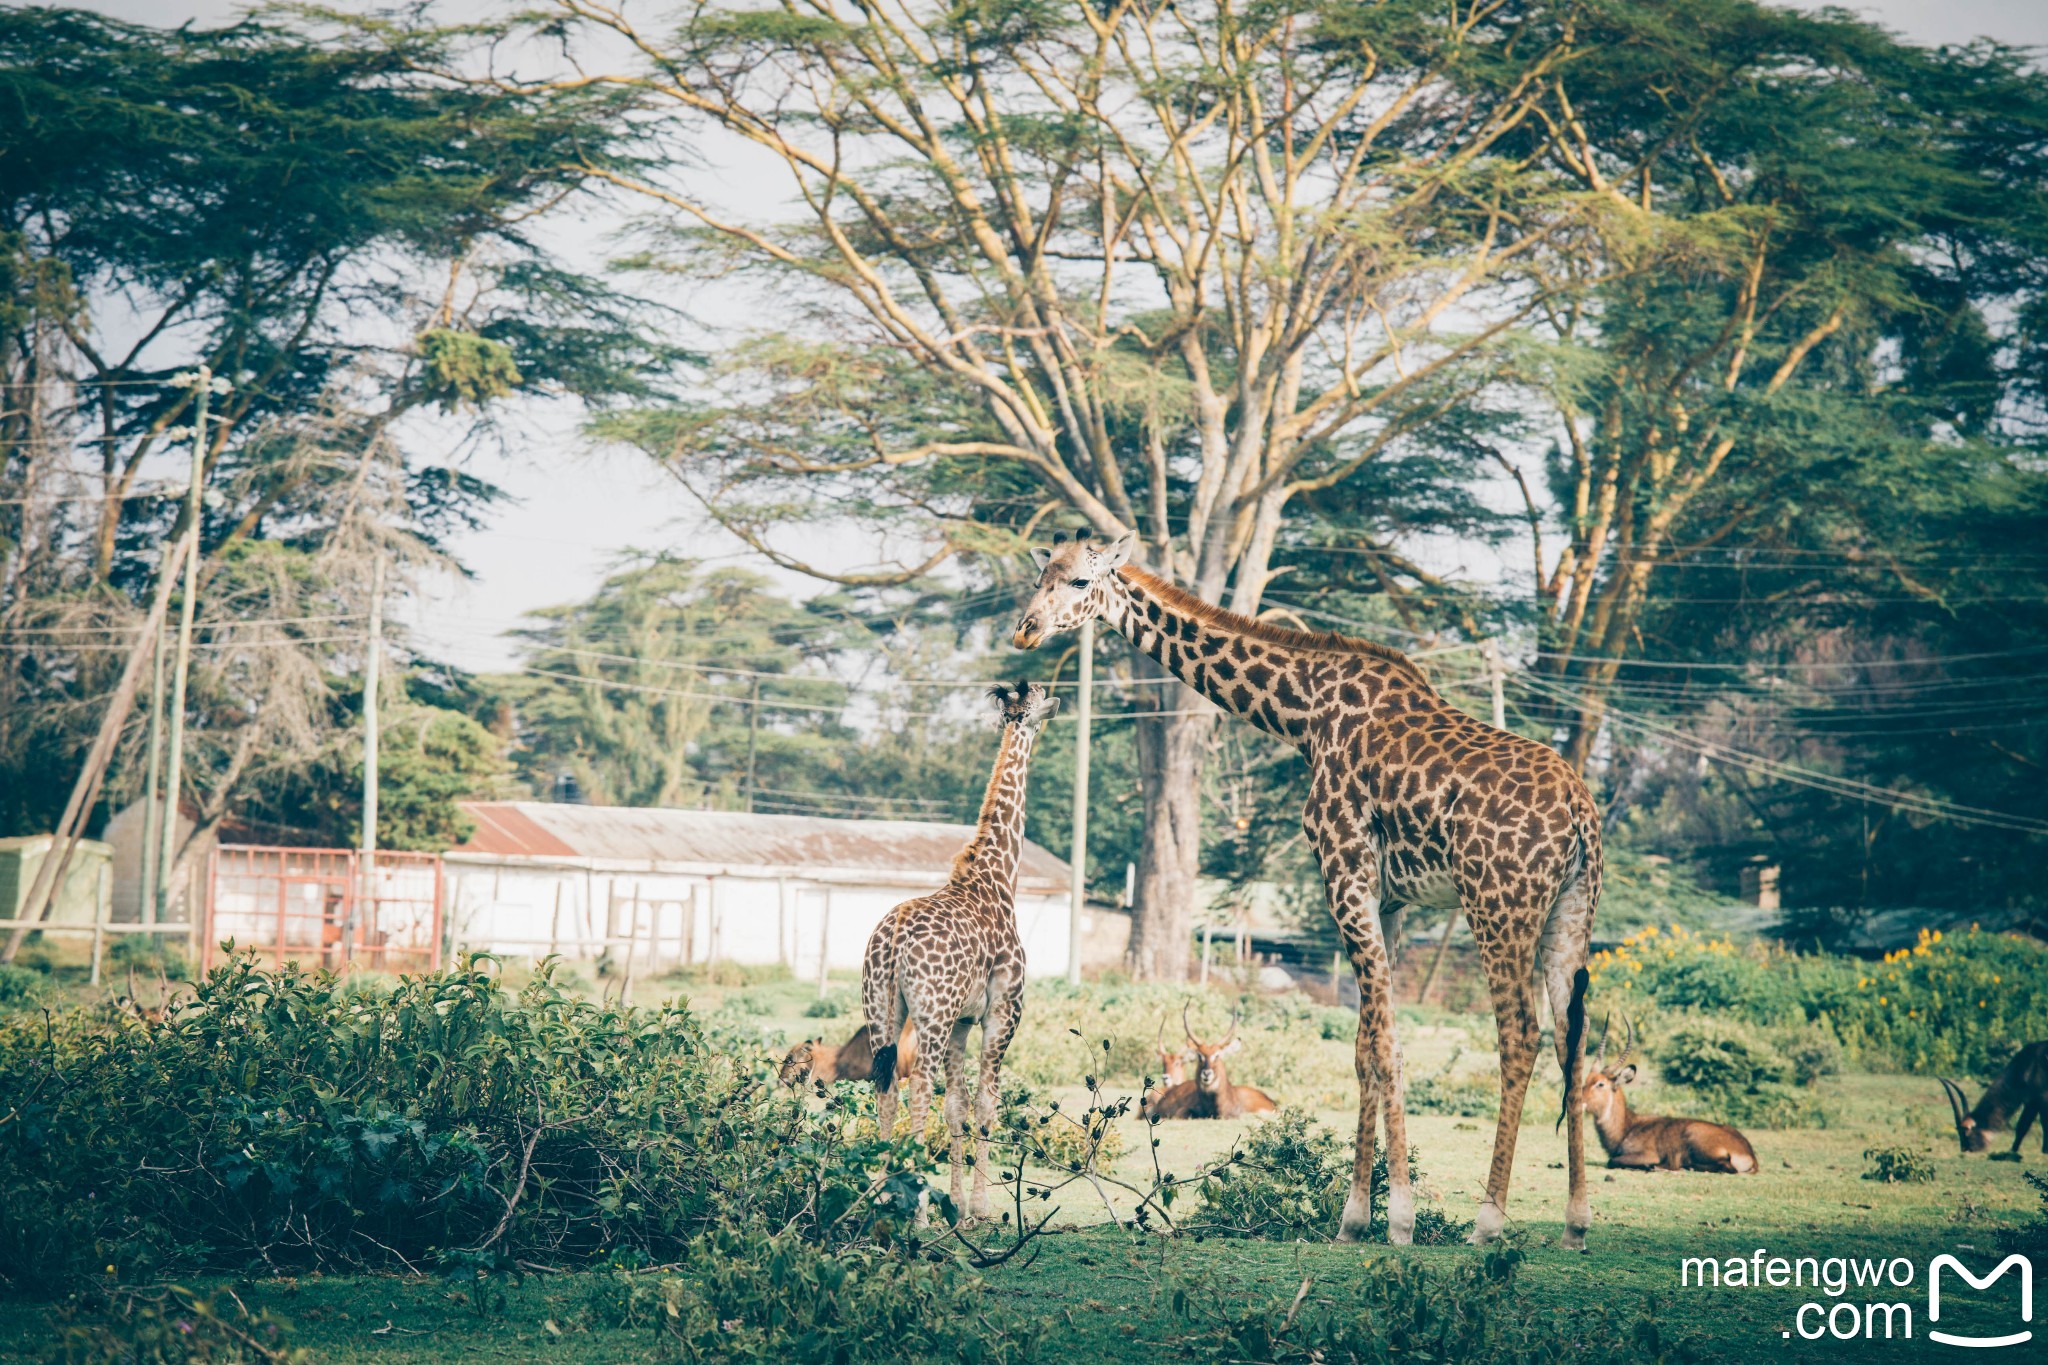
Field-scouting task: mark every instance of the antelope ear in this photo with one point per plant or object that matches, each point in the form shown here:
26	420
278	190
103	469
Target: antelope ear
1041	556
1233	1045
1118	552
1626	1076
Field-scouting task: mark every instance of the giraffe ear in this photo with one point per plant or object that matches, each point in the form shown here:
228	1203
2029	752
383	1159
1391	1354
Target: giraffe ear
1118	552
1041	556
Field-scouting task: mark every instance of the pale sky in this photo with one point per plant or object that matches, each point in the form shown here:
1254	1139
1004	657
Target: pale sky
579	508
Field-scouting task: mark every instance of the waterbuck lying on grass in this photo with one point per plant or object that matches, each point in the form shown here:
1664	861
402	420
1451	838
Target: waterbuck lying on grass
1210	1095
2022	1089
1645	1142
853	1060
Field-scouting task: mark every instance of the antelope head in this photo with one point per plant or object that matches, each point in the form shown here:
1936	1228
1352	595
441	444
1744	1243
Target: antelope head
1604	1085
1968	1132
1172	1064
1209	1075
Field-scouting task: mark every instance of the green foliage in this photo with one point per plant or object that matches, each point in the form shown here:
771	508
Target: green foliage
2031	1237
1444	1092
1898	1166
1288	1179
20	987
1736	1074
150	953
282	1121
752	1295
171	1326
1470	1308
1951	1002
462	369
826	1007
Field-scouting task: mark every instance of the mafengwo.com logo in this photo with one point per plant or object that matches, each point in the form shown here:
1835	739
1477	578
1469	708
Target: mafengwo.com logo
1875	1299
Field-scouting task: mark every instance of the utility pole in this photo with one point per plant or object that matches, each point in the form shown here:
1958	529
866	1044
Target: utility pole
373	667
753	732
174	771
152	809
1077	893
1496	673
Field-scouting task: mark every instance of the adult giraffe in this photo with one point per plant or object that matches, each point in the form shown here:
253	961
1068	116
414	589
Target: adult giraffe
1411	802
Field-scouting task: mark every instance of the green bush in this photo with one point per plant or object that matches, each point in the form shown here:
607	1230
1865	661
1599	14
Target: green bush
826	1007
1713	1057
1468	1308
20	988
1898	1166
172	1326
150	954
1950	1003
748	1295
1441	1092
1288	1181
281	1121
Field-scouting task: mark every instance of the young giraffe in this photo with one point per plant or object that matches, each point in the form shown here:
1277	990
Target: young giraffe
951	960
1411	803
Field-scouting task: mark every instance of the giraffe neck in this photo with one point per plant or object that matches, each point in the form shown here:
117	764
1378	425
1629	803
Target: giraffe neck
992	855
1250	670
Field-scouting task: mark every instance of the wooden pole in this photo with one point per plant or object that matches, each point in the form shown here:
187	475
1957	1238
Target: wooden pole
85	791
152	798
753	731
1208	935
174	768
1077	886
825	947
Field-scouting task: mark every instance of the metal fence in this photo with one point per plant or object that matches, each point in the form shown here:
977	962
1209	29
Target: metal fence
328	907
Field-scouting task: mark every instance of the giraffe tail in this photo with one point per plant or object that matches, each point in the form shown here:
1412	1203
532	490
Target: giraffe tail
1574	1039
885	1069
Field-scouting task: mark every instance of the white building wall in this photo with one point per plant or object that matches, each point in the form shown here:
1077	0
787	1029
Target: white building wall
519	909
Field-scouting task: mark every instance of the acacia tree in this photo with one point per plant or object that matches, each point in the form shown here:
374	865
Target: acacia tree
1815	227
1149	264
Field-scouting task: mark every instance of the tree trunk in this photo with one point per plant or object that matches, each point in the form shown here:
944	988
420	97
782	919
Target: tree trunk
1170	752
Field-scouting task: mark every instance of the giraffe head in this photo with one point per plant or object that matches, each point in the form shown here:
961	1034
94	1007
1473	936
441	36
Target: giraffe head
1028	706
1069	591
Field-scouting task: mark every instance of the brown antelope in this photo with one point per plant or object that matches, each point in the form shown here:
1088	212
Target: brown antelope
853	1060
1645	1142
1210	1095
2021	1089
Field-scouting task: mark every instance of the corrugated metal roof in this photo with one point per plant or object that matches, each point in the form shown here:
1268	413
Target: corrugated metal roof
638	834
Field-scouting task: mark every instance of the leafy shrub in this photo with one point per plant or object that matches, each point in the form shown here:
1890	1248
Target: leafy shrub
1735	1075
747	1295
1468	1308
750	1004
1439	1092
1289	1181
280	1121
1811	1053
826	1007
20	988
173	1326
1898	1166
150	954
1950	1003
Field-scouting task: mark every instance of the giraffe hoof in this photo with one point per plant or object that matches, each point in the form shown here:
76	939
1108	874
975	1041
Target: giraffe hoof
1351	1232
1574	1239
1488	1225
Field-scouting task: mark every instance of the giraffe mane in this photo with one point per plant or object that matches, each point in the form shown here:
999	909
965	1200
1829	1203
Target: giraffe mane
1317	641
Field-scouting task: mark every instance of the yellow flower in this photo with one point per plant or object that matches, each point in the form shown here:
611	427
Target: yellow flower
1882	1001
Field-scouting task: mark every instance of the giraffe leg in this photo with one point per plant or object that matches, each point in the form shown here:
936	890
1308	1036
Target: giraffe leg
1561	955
1355	904
956	1103
1510	972
918	1088
996	1032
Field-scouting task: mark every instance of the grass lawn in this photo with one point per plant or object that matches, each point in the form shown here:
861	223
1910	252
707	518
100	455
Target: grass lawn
1100	1287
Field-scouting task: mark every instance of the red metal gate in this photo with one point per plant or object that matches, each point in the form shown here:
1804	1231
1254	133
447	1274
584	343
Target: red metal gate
322	907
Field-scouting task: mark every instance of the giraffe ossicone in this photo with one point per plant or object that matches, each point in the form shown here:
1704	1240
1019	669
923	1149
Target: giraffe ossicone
951	960
1411	803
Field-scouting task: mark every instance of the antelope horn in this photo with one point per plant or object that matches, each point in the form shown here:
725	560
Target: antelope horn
1606	1027
1628	1040
1159	1036
1956	1104
1186	1027
1232	1035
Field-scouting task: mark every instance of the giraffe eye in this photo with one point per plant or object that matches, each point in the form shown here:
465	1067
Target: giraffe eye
1078	583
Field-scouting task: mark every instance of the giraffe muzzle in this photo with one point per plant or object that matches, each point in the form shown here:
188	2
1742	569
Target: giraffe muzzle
1027	635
